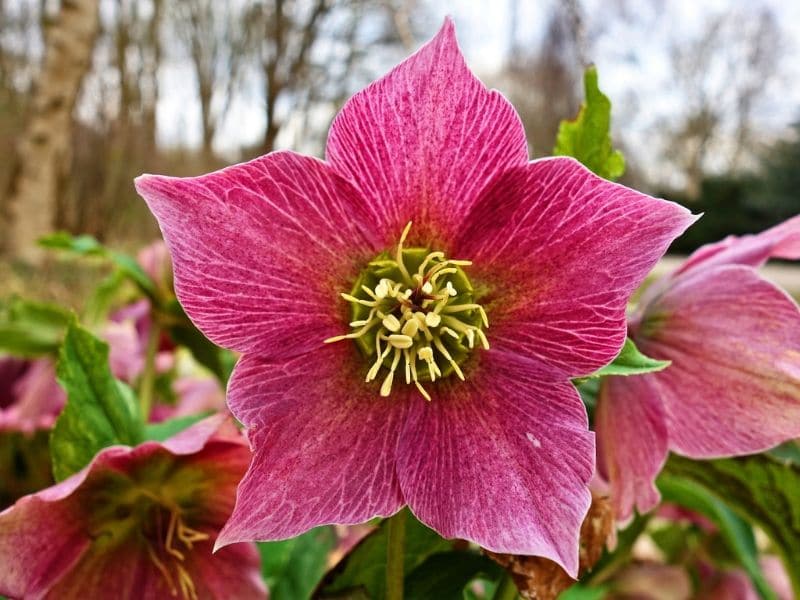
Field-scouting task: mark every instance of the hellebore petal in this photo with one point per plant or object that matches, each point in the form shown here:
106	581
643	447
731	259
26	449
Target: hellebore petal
631	441
502	459
734	342
422	142
324	445
563	250
261	249
123	522
781	241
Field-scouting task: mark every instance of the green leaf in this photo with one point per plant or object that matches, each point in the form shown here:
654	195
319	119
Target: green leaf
588	137
630	361
164	430
364	568
762	489
443	576
736	532
582	592
100	412
32	328
86	245
293	568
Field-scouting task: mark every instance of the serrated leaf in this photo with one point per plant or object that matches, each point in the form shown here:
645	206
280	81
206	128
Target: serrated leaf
100	411
630	361
32	328
761	489
363	570
164	430
293	568
736	532
444	575
588	137
86	245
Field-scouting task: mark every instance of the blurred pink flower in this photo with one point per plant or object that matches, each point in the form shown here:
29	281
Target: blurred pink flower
262	252
195	395
156	263
30	397
734	383
127	334
137	523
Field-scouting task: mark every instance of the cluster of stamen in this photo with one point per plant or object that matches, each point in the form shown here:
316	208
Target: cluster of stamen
168	549
422	317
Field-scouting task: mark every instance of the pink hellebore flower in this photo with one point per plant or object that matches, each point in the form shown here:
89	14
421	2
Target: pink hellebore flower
137	523
30	397
488	445
734	383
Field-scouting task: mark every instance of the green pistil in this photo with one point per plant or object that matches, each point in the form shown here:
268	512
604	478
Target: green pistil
414	311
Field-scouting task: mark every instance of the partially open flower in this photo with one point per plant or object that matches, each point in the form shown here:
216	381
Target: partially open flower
444	384
734	383
137	523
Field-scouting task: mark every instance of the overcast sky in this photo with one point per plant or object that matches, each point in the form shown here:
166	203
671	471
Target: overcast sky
627	56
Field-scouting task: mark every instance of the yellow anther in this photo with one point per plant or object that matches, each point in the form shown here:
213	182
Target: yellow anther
426	353
432	319
410	328
391	323
382	289
427	288
400	341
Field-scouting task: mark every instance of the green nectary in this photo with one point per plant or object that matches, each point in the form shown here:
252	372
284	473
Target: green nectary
415	308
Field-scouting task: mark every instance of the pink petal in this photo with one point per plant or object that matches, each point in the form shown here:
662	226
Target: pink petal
631	441
734	342
781	241
39	542
46	543
503	459
261	250
561	251
324	444
33	399
422	142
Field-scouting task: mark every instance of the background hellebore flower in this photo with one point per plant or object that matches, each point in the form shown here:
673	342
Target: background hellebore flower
30	397
136	523
734	383
275	256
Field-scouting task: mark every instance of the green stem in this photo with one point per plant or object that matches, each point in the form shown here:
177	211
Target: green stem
395	555
506	589
148	380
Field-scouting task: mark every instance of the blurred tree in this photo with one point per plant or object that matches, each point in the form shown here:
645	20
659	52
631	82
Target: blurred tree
778	189
543	82
43	151
215	38
720	75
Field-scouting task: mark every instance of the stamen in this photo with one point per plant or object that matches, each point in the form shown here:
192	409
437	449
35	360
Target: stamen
409	315
391	323
399	256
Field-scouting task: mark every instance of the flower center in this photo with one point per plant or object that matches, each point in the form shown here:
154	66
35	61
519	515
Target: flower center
127	513
414	308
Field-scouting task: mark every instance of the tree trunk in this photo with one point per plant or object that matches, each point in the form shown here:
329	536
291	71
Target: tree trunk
43	151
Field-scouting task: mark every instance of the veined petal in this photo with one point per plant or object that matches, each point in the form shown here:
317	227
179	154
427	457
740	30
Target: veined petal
39	542
324	444
260	250
631	441
734	342
561	250
781	241
57	543
422	142
503	459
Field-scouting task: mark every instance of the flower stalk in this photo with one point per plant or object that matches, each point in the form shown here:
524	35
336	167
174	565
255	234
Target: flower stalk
148	380
395	555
